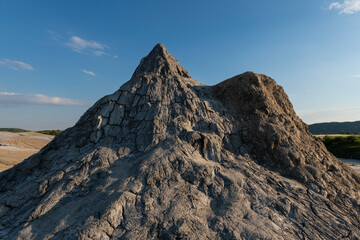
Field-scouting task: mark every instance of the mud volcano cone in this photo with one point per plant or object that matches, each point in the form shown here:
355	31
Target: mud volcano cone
166	157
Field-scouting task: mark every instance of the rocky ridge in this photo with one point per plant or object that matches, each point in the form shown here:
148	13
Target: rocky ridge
166	157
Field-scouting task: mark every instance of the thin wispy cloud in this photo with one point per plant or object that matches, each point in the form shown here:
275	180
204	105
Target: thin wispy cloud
15	65
54	35
89	72
356	76
80	45
101	53
346	7
11	98
326	115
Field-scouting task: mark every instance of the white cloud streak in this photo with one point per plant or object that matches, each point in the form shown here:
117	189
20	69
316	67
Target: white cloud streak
10	98
15	65
100	53
347	7
329	115
80	45
89	72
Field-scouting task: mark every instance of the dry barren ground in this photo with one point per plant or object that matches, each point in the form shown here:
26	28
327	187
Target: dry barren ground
355	164
15	147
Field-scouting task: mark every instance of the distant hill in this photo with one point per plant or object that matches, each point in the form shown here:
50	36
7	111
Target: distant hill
19	130
50	132
335	127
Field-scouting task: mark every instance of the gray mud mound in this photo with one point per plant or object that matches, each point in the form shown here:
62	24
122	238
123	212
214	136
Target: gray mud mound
166	157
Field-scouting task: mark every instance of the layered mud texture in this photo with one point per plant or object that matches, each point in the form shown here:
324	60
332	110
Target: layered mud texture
166	157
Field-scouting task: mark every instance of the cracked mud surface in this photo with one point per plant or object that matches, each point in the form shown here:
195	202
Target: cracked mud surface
166	157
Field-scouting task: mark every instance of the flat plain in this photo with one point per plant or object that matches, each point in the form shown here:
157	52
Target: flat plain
15	147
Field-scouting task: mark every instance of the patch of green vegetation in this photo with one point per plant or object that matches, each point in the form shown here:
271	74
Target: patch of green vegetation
50	132
14	130
343	146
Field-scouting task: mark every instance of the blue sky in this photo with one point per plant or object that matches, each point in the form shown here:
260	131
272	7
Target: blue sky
59	57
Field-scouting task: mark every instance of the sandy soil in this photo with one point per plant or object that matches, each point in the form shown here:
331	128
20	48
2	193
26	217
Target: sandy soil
15	147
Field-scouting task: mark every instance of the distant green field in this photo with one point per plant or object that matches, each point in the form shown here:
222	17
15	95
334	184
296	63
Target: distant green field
343	146
14	130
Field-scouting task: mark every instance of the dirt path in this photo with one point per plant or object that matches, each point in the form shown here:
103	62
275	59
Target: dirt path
15	147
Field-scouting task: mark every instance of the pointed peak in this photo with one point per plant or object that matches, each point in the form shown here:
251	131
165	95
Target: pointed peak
159	49
160	62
